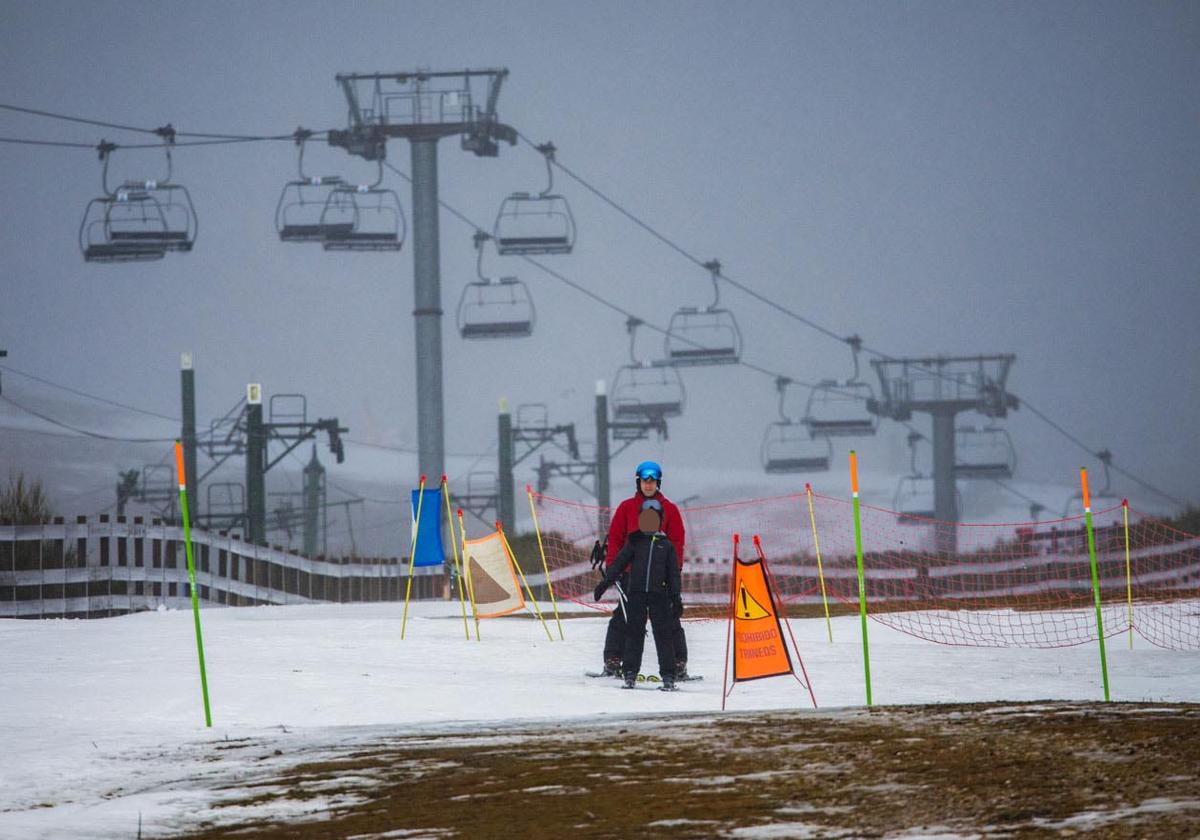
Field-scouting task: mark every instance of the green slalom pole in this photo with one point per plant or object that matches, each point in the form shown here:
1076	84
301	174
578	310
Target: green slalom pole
862	588
1087	512
191	567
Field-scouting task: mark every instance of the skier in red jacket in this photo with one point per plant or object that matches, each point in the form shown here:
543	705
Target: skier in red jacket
648	480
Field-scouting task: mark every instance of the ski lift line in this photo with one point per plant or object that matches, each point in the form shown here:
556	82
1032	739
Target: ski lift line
649	229
118	126
812	324
597	298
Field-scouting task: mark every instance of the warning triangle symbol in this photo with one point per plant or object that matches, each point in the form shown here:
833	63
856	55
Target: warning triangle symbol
486	588
748	608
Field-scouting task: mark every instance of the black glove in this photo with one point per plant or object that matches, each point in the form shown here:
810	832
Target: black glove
601	588
677	607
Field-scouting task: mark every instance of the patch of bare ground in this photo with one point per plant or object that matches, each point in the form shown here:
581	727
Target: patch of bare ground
1033	770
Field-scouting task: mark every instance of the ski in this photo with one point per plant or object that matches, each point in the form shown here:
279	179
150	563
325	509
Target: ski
597	674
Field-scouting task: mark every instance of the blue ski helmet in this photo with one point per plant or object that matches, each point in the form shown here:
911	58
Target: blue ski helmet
649	469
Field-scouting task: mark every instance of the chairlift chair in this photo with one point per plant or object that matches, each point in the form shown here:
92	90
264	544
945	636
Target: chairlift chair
788	448
913	500
840	409
376	219
704	336
648	391
494	307
140	220
301	206
302	202
128	214
540	223
984	453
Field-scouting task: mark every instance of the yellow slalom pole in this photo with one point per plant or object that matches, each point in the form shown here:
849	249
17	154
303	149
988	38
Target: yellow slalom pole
1128	575
545	568
454	546
467	565
412	555
817	546
517	566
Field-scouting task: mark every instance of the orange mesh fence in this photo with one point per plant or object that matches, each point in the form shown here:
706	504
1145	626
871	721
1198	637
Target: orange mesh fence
1006	585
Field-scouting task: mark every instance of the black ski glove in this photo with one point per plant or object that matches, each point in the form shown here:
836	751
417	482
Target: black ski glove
677	607
601	588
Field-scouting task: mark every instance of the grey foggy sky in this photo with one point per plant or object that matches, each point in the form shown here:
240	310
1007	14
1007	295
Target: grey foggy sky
938	177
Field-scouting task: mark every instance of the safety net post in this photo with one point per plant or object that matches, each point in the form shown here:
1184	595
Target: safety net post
862	589
191	567
817	549
1128	570
1091	537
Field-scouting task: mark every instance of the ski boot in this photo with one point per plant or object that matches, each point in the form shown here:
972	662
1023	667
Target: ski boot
612	667
681	673
668	684
630	681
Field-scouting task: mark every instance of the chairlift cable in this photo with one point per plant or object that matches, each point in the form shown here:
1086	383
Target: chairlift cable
79	393
58	143
84	432
121	127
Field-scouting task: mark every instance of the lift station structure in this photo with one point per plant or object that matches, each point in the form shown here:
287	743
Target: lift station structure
423	107
944	386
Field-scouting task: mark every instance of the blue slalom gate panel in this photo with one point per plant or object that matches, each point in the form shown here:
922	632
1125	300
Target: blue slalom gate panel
429	550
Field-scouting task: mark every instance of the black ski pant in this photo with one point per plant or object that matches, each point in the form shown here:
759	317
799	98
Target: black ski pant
614	639
658	606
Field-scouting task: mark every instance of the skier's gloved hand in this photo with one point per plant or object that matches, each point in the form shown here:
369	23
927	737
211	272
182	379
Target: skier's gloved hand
677	607
601	588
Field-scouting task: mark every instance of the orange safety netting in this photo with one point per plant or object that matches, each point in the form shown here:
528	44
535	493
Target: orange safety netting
1007	585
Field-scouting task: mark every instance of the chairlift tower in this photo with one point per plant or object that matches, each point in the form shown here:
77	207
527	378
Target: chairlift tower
423	107
943	386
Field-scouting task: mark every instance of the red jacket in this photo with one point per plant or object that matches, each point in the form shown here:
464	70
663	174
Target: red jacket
625	521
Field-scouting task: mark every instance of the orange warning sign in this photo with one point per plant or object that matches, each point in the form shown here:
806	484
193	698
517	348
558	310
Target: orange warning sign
758	646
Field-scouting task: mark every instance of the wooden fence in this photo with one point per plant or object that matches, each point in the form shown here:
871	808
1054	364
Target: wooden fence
93	568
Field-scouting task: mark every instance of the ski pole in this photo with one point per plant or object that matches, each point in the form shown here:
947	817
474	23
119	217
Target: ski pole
621	600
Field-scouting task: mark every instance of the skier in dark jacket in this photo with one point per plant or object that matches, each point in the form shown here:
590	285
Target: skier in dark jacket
648	481
648	557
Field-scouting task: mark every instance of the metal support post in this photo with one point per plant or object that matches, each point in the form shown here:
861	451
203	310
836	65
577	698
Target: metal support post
187	382
314	474
603	488
256	467
427	310
505	457
945	497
